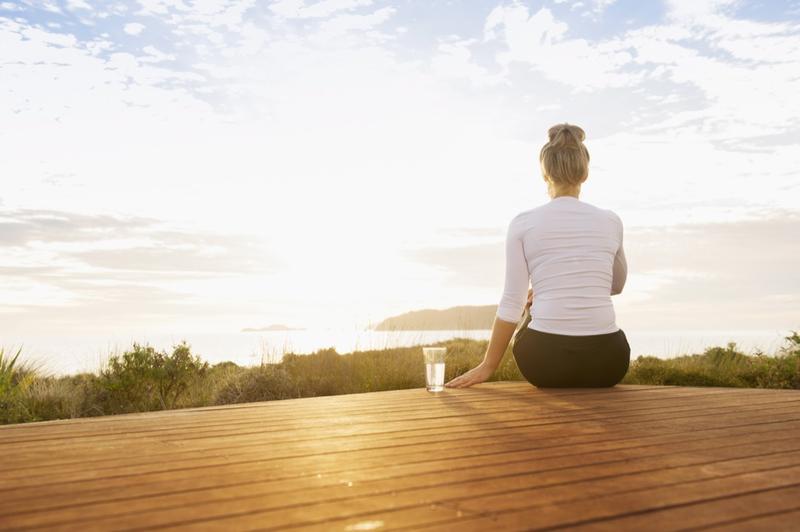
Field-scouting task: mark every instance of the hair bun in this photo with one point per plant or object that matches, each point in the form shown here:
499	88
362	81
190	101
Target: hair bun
564	134
565	159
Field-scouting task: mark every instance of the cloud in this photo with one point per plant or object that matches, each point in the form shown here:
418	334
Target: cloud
598	6
66	271
324	122
453	59
540	40
78	4
129	243
198	18
764	68
757	256
26	226
321	9
134	28
697	11
101	83
471	232
737	275
178	257
344	25
593	8
478	265
155	55
92	263
161	7
700	48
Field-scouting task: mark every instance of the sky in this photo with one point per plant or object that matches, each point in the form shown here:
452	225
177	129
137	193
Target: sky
209	165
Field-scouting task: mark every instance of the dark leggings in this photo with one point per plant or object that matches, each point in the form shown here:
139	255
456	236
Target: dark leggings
550	360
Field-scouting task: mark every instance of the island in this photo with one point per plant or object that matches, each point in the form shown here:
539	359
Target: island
461	318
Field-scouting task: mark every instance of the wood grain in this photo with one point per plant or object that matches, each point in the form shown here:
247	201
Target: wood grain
495	456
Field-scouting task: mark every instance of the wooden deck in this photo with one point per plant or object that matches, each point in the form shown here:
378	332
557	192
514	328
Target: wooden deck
496	456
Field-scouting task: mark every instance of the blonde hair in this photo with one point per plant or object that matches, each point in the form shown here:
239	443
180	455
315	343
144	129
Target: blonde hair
564	159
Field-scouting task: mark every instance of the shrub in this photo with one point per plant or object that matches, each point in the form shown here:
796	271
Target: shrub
324	372
54	398
264	383
144	379
722	366
682	371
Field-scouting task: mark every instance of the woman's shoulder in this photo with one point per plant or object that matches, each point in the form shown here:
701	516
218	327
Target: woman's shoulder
526	218
613	215
607	213
523	221
540	209
552	210
616	221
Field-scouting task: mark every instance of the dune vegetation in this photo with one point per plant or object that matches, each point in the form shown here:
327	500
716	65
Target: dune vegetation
144	379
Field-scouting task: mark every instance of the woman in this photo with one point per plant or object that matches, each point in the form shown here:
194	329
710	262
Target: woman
571	253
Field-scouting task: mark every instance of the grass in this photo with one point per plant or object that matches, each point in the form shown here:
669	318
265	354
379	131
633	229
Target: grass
16	381
722	366
143	379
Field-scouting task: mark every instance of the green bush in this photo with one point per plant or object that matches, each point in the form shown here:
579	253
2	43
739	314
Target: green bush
144	379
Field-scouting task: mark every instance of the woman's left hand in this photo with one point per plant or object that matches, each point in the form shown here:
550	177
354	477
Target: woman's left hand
479	373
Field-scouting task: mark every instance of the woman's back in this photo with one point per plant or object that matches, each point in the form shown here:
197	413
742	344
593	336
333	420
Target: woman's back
571	253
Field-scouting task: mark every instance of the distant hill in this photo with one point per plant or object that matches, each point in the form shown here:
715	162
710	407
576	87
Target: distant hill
468	317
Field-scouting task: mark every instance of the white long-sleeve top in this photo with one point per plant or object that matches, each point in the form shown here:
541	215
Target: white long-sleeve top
570	252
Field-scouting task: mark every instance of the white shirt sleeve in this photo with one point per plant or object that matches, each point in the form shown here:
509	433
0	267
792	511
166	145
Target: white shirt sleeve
517	282
620	270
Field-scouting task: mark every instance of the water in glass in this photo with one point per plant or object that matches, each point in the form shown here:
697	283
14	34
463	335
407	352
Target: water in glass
434	368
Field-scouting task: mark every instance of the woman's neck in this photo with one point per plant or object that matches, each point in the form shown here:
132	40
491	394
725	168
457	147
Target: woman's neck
557	192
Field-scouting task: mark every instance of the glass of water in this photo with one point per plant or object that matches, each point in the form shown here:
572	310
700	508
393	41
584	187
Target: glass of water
434	368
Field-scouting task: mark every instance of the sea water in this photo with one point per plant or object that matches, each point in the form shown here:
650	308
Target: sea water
434	376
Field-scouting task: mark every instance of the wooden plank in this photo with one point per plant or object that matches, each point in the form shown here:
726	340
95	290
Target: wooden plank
144	425
600	505
696	515
311	473
499	420
601	497
560	470
486	438
205	448
492	455
499	451
417	400
321	451
333	427
785	520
